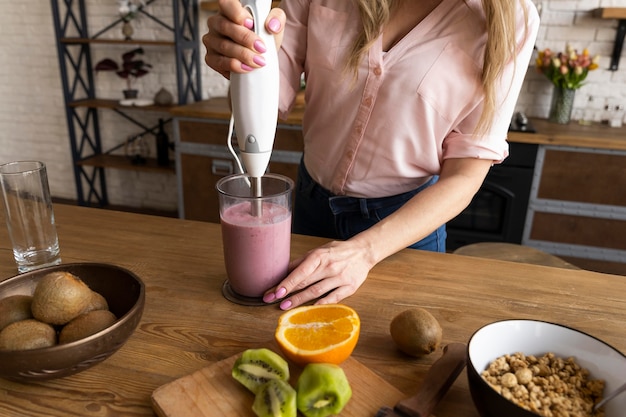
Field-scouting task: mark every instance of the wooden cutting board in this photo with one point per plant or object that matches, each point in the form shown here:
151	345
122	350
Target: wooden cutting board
212	391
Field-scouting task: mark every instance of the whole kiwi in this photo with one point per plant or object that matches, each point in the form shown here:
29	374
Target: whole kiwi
96	302
59	297
27	334
85	325
14	308
322	390
416	332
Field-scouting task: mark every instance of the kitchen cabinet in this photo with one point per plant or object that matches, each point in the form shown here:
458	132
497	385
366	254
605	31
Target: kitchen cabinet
577	206
74	44
202	155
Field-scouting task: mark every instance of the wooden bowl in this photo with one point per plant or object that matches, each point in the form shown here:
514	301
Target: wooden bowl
533	337
125	294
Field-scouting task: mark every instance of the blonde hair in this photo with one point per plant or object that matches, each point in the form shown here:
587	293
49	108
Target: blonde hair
501	46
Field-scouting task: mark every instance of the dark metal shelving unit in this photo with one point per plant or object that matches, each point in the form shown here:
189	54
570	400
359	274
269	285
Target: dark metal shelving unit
81	105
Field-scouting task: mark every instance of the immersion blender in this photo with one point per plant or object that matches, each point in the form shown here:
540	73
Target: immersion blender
254	99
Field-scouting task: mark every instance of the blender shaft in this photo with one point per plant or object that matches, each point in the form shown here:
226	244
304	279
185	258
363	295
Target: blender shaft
257	204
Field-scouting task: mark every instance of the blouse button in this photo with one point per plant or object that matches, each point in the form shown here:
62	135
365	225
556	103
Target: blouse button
378	71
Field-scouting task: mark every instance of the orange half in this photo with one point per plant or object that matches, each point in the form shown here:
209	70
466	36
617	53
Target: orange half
319	333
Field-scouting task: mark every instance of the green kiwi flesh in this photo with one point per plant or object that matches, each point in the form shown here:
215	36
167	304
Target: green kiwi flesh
255	367
322	390
275	398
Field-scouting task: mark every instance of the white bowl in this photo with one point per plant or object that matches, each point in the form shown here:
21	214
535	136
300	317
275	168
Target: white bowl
537	338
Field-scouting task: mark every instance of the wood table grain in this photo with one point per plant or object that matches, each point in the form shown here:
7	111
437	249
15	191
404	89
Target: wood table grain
187	323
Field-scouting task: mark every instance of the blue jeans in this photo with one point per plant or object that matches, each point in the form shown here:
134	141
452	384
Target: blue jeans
318	212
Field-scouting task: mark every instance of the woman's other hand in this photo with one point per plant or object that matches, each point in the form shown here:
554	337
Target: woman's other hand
231	44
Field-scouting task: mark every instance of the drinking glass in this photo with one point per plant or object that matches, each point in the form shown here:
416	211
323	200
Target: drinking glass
29	215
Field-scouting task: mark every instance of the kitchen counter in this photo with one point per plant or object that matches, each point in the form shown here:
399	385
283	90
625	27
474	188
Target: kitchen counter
218	108
597	135
188	325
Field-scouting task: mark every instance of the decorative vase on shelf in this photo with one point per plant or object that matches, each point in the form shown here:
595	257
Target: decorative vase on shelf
127	30
163	97
562	105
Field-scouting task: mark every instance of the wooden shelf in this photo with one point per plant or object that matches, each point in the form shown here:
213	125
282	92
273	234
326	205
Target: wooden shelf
77	41
123	162
115	104
610	13
618	13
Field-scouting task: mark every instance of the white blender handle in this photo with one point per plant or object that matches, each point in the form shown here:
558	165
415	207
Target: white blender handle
254	97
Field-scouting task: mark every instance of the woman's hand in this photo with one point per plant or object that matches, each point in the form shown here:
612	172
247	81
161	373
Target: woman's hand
333	272
231	44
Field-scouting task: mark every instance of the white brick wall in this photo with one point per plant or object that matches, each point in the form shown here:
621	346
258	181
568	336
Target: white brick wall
572	21
32	117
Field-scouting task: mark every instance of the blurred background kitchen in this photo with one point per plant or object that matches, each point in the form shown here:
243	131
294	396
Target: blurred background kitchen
33	116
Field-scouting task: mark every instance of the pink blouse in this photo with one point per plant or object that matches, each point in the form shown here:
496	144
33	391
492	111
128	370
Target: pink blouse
410	108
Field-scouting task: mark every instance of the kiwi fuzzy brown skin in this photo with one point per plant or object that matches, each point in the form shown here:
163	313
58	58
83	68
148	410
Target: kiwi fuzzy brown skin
255	367
85	325
15	308
27	334
59	297
416	332
96	302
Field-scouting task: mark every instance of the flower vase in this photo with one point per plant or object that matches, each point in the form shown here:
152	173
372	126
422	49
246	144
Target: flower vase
562	105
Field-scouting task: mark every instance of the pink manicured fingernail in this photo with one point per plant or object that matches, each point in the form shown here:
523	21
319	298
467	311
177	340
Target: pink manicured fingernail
246	67
249	23
282	291
259	46
269	297
285	305
259	60
274	25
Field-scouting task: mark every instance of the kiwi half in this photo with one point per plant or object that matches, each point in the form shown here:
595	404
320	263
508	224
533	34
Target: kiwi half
255	367
275	398
322	390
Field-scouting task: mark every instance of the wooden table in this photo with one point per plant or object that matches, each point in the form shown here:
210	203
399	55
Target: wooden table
187	324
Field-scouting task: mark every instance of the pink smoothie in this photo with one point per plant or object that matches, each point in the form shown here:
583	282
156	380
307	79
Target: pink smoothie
256	249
